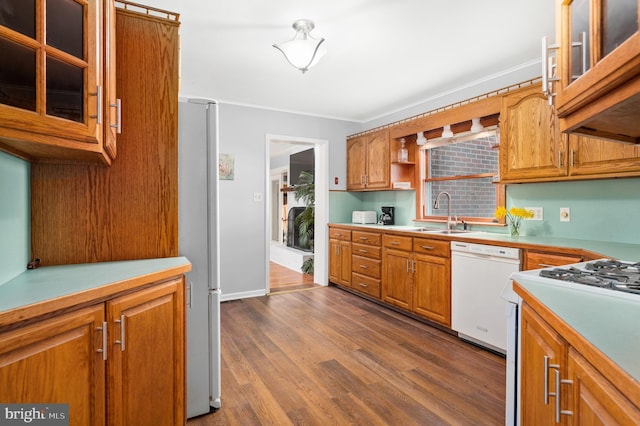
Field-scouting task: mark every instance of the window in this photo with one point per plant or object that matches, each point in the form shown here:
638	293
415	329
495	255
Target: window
464	167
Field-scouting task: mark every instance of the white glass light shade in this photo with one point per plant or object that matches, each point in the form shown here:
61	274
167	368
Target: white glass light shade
302	51
446	132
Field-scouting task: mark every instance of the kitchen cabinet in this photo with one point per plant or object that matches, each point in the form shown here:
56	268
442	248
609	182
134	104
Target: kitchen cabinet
537	260
366	263
92	213
368	162
559	385
532	149
398	268
119	361
531	146
58	360
146	369
432	280
598	67
57	97
340	256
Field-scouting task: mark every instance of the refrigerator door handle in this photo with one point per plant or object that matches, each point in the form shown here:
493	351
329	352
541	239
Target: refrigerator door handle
214	343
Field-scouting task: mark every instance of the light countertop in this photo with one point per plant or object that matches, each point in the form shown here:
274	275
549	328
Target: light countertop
607	321
37	288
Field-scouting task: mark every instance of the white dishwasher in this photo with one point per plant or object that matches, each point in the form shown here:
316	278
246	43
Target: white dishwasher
479	273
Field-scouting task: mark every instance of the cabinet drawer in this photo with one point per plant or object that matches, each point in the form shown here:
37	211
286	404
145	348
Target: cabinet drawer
432	247
366	250
365	284
536	260
339	234
366	266
371	238
398	242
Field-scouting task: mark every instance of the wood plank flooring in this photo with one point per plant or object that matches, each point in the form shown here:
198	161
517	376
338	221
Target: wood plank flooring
283	279
329	357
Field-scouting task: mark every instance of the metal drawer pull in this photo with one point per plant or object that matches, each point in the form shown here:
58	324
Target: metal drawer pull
427	247
395	243
557	395
121	341
363	285
364	238
364	266
364	251
118	107
544	265
546	380
104	340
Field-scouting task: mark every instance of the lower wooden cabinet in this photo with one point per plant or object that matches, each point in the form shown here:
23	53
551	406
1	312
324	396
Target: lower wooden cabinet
119	362
537	260
366	263
397	280
559	386
60	361
340	262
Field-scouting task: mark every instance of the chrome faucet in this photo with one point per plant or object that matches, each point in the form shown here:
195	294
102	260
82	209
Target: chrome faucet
436	205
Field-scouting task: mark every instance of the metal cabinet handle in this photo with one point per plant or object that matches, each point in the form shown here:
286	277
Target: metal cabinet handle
407	265
363	251
581	43
544	265
364	267
573	158
364	239
122	333
118	107
546	380
548	68
427	247
104	340
190	298
98	95
364	285
395	243
559	159
413	266
557	395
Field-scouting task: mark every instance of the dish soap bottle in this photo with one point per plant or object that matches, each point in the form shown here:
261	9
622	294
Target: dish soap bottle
403	154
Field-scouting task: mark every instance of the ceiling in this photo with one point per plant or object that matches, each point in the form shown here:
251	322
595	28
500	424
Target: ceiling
382	55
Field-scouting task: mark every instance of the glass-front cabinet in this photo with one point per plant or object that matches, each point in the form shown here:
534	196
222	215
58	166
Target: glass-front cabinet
55	99
599	68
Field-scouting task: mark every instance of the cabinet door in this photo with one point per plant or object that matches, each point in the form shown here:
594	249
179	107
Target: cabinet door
378	161
432	288
531	146
397	278
539	342
340	262
57	361
146	369
356	163
589	156
52	80
595	401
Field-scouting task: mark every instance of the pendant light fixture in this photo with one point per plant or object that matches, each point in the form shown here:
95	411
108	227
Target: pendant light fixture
302	51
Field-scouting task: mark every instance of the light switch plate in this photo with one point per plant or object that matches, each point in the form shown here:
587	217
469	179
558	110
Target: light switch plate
565	214
257	196
537	213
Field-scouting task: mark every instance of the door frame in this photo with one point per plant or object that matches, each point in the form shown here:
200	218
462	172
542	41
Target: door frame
321	213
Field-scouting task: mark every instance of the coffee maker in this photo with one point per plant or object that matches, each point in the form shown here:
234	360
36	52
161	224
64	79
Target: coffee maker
386	218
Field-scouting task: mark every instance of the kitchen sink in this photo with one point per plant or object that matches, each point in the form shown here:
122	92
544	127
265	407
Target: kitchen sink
443	231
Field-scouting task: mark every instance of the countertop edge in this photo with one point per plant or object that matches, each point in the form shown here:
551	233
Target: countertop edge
102	291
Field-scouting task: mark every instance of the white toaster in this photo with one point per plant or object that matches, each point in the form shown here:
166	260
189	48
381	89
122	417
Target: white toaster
364	216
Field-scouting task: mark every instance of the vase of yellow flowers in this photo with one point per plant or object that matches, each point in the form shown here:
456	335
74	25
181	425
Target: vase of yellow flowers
514	218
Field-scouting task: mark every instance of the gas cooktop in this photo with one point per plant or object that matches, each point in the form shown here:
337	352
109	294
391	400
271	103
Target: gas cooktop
604	273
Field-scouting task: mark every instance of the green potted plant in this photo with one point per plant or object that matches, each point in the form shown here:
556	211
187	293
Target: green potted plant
305	191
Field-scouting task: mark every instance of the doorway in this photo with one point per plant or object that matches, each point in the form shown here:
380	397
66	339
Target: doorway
280	147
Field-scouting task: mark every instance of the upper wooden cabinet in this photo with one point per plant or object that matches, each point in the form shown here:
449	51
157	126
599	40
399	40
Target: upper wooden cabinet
530	144
598	67
57	92
368	162
532	149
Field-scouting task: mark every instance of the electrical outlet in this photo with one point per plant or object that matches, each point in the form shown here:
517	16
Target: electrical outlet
537	213
565	214
257	196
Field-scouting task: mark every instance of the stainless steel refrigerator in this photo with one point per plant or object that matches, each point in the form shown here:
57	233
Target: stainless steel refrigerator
198	227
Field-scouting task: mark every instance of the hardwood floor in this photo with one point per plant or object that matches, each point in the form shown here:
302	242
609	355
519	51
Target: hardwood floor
329	357
283	279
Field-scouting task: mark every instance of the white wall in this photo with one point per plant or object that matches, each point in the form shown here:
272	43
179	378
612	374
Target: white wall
243	230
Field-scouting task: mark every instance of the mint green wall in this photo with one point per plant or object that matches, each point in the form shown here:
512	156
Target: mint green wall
14	216
601	210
